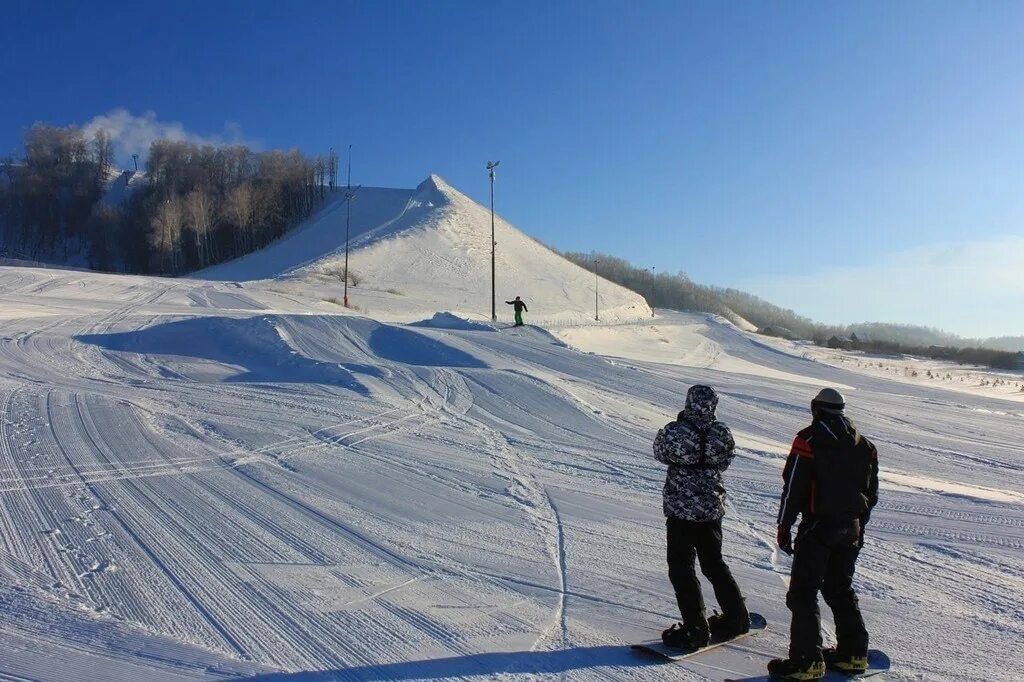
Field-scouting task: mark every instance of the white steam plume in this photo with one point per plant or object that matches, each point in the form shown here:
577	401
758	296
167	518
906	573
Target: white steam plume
133	134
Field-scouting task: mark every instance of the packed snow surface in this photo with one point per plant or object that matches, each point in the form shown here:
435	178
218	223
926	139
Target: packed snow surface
201	480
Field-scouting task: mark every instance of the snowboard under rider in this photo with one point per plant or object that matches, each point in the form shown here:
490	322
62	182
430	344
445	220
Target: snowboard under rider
519	308
831	481
697	448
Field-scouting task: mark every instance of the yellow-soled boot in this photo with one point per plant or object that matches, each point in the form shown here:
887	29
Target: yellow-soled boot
846	662
796	669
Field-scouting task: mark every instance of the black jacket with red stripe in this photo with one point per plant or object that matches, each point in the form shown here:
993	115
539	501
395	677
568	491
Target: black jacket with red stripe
831	472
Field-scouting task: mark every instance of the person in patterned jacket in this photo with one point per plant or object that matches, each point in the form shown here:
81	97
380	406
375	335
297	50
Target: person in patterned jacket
697	448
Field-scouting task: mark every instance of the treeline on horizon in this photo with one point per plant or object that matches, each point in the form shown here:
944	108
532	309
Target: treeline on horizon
199	205
679	292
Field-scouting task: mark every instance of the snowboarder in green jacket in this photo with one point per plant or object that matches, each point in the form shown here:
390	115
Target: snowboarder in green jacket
520	307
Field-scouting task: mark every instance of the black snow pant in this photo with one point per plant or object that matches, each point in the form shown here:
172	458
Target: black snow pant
825	559
701	540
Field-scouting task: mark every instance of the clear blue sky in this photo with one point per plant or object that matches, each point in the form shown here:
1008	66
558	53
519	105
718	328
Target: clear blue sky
850	160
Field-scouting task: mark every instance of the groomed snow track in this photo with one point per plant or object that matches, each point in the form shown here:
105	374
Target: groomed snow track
198	482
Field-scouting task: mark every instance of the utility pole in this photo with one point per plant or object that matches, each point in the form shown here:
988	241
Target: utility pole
135	158
597	316
348	219
491	165
652	288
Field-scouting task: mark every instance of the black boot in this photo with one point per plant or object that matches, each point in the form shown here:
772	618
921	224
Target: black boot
724	627
679	636
796	669
847	662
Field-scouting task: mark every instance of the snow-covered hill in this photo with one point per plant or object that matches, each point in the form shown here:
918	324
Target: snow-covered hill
416	252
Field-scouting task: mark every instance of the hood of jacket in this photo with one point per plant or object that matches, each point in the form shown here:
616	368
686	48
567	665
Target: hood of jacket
701	403
837	427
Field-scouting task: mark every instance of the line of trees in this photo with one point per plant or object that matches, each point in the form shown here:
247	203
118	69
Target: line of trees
679	292
198	204
988	357
47	199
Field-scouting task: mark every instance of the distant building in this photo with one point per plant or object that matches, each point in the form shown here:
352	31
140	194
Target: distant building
839	342
780	332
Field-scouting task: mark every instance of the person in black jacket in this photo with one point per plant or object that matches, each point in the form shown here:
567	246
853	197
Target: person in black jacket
831	482
519	306
697	448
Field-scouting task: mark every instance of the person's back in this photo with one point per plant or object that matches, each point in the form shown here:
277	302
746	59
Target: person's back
840	462
697	448
831	482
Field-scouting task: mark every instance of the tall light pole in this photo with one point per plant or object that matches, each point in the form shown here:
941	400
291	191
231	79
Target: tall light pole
597	317
348	219
652	288
491	165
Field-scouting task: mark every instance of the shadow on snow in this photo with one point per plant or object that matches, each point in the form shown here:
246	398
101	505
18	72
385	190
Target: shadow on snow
403	345
477	665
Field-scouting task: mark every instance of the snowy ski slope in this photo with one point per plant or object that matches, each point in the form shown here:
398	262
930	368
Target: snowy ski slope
205	480
420	251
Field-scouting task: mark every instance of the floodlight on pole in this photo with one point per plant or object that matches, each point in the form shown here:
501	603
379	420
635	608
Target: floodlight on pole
491	165
597	316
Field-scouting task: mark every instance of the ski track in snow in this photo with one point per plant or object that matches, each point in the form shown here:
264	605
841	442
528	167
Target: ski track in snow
199	481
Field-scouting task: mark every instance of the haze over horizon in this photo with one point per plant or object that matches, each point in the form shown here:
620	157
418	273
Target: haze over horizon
852	163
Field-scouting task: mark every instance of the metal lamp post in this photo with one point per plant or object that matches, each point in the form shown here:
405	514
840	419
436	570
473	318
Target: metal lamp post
652	288
348	219
597	316
491	165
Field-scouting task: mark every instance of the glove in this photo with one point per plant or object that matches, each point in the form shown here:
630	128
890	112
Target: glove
785	540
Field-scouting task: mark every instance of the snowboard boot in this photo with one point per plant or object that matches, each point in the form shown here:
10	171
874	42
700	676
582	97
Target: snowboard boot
679	636
725	627
846	662
796	669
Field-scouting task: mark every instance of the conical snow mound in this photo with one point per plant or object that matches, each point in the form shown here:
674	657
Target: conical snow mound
416	252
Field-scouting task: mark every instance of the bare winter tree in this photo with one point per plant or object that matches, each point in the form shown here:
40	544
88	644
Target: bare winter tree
199	212
103	153
319	176
239	210
166	236
332	169
103	228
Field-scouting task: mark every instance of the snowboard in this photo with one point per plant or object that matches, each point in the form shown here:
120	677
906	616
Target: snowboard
658	649
878	663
